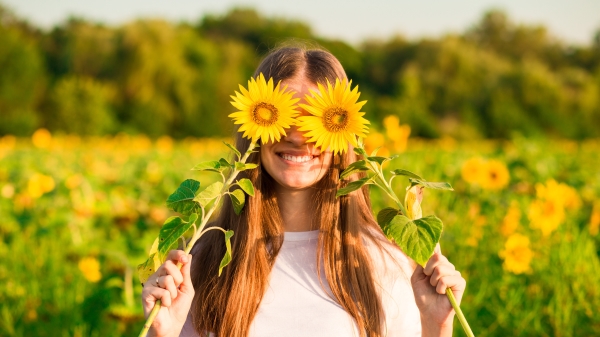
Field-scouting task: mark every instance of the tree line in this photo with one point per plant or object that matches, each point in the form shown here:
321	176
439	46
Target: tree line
157	77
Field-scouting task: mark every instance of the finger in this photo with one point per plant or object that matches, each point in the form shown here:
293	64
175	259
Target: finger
433	262
177	256
168	283
172	269
437	249
151	294
418	274
187	287
455	282
441	271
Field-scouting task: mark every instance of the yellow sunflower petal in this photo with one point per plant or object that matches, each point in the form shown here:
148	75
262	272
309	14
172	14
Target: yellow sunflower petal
265	109
336	119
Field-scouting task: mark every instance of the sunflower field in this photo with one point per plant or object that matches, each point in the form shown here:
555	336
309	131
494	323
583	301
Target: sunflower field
78	215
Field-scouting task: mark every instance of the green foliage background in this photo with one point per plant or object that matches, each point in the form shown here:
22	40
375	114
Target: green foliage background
161	78
152	77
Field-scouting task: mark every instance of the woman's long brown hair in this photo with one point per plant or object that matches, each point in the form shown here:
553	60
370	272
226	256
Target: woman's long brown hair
226	305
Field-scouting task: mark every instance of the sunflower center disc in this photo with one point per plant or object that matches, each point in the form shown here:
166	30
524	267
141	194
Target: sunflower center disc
335	119
264	114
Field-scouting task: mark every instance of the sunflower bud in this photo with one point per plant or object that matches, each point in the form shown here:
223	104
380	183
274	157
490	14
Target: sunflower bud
414	197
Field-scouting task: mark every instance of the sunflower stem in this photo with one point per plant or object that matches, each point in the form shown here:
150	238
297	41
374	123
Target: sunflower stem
200	231
459	313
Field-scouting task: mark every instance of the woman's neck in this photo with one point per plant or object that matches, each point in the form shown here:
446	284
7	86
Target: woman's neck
297	209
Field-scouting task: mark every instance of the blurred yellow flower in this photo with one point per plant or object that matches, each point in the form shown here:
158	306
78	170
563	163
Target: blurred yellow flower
595	219
546	215
376	140
73	181
164	144
41	139
7	191
39	184
511	220
7	143
473	169
516	254
90	268
396	132
547	212
495	175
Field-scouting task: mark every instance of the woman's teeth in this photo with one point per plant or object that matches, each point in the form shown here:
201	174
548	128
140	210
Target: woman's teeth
297	159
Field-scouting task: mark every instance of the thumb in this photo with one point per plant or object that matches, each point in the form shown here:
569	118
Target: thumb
418	274
186	286
437	249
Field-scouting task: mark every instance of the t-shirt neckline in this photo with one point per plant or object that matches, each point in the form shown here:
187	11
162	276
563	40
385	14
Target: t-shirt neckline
301	236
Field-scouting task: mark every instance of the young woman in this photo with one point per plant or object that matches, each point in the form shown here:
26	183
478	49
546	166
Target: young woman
305	263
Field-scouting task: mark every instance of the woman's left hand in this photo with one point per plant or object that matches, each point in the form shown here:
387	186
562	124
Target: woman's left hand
429	286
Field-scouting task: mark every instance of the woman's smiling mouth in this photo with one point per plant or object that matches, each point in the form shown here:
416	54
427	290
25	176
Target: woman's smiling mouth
295	158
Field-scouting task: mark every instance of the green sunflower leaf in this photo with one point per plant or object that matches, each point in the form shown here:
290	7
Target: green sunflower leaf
238	199
227	257
417	238
432	185
237	153
385	216
247	186
381	160
171	231
209	194
357	166
406	173
360	151
224	163
211	165
182	200
353	186
244	166
148	267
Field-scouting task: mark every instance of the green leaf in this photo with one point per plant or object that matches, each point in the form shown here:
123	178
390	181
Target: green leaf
360	151
224	163
171	231
148	267
353	186
416	238
357	166
247	186
247	166
386	215
227	257
211	192
238	198
432	185
211	165
374	152
237	153
381	160
400	172
182	200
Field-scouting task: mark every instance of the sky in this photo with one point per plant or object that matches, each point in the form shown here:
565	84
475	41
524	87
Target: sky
572	21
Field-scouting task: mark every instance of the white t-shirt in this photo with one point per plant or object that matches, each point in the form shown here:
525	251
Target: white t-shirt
296	304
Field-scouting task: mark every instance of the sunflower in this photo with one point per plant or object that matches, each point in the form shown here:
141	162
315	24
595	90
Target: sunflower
335	118
264	111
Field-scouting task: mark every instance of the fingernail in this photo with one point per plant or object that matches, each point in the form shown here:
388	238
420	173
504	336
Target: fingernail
184	259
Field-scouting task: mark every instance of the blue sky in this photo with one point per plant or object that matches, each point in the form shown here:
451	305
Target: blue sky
573	21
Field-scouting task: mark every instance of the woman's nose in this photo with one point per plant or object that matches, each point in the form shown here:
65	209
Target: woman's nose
294	136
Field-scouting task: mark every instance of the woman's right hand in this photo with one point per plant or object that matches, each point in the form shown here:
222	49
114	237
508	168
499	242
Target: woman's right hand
175	290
